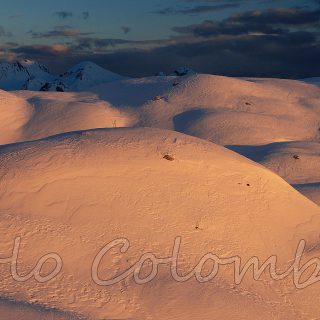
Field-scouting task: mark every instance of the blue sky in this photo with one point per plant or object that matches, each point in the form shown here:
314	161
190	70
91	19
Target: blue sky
75	27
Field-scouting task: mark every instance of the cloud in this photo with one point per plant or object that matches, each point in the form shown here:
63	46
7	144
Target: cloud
93	43
16	16
11	44
125	30
230	1
244	55
63	14
279	16
211	28
273	21
7	56
208	8
196	10
43	52
100	44
85	15
4	33
60	32
6	53
271	43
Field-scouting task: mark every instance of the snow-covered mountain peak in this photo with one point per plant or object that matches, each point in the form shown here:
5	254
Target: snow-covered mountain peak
31	75
33	67
87	74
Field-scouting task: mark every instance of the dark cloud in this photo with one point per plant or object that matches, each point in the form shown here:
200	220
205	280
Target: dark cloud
209	8
274	21
197	10
100	44
125	30
12	44
279	16
271	43
4	33
211	28
231	1
85	15
43	50
60	32
16	16
93	43
63	14
260	56
165	11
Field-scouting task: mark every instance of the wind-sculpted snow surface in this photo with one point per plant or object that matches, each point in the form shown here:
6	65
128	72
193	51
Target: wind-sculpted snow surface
69	189
231	112
226	111
298	162
30	115
70	195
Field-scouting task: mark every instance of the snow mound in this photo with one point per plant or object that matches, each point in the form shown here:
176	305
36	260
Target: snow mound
298	162
310	190
35	115
14	114
74	193
224	110
249	112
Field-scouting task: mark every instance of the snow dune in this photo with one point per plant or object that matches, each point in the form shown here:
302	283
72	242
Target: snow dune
68	187
73	193
247	112
298	162
226	111
33	115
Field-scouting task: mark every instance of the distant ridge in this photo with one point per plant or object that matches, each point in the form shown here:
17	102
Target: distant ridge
31	75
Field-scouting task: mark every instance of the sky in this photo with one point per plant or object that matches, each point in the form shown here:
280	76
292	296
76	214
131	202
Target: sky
267	38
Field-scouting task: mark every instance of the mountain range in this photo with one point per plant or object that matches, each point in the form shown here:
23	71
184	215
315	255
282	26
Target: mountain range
31	75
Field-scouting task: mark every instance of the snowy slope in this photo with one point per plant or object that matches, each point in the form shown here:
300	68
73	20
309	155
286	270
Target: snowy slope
28	115
14	114
315	80
74	193
15	76
298	162
86	75
248	113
